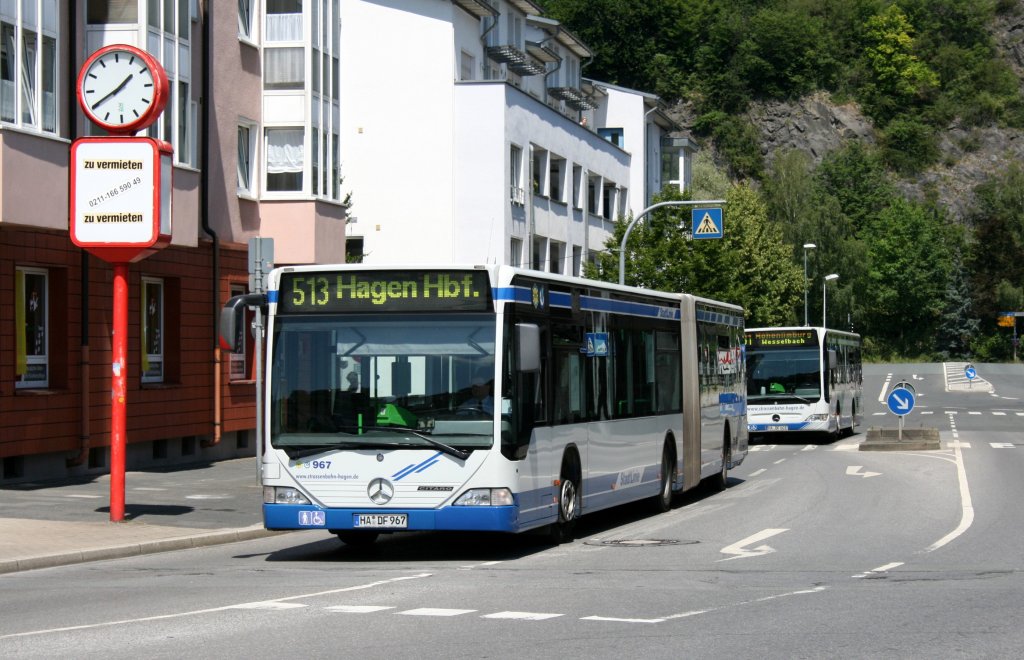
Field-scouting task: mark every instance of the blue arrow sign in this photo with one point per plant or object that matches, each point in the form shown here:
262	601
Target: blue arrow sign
707	223
900	401
971	373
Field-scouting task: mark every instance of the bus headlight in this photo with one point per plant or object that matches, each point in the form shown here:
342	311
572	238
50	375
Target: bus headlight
283	495
817	418
485	497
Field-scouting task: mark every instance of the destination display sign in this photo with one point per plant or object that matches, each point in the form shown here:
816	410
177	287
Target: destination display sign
332	292
782	339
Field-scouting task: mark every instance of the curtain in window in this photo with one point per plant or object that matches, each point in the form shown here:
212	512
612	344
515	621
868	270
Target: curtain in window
284	27
284	68
112	11
284	150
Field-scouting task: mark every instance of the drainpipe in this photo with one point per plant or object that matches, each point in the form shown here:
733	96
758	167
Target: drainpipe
204	212
647	163
83	293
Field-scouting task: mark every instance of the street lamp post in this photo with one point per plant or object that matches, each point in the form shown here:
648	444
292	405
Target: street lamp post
824	290
807	246
629	227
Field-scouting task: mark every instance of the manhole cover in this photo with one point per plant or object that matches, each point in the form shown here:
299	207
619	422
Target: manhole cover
639	543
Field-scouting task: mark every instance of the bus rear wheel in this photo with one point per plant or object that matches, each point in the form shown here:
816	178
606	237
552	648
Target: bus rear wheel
662	502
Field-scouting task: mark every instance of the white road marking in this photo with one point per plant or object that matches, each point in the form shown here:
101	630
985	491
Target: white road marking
765	599
524	616
966	506
809	448
855	471
358	609
1002	445
958	444
781	460
84	497
269	605
846	447
757	472
998	414
435	611
880	569
611	618
740	550
178	615
885	388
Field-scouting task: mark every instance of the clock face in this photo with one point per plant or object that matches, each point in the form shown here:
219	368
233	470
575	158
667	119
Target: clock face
122	89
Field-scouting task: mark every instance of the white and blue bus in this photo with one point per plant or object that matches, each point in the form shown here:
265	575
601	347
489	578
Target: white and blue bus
803	379
601	395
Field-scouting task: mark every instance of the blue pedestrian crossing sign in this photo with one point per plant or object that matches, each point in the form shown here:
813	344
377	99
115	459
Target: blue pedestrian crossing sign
707	223
900	401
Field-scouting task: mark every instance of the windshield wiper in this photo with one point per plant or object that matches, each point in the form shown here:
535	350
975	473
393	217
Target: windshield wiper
448	449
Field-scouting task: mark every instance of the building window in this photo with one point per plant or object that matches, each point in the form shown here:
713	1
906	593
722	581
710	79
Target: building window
577	181
284	159
540	161
99	12
238	359
515	254
608	200
555	253
28	64
540	245
284	20
593	185
31	316
613	135
169	41
246	152
245	23
577	260
556	179
516	192
152	330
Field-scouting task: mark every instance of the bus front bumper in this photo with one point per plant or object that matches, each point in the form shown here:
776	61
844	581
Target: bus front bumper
451	518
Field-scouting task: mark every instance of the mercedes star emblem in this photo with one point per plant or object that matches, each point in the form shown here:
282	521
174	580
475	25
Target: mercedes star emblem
380	491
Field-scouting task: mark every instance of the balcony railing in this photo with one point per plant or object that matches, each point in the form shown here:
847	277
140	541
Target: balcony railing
516	60
573	97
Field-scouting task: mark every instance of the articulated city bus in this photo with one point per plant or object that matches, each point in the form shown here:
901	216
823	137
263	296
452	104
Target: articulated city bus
803	379
487	398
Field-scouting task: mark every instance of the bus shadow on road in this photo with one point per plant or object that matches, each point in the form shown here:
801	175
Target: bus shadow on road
479	547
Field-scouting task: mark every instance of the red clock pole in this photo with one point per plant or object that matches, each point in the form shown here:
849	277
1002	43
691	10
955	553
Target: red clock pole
118	392
121	201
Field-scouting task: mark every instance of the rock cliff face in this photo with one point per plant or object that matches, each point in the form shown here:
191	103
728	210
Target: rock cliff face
969	155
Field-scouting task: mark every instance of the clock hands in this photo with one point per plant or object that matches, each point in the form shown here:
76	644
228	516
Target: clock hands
115	90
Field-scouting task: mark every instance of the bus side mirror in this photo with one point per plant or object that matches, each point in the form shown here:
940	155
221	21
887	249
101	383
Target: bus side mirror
832	361
528	347
232	315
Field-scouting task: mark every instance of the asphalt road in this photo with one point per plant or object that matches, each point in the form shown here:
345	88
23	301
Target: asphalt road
815	550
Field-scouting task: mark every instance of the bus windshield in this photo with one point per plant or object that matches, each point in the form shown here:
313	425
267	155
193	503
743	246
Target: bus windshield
360	381
783	374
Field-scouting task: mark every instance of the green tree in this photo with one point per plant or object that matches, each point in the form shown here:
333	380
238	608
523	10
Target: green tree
768	283
898	77
909	255
998	247
957	325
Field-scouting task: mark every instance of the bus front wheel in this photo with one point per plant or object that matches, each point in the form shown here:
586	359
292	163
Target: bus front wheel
568	501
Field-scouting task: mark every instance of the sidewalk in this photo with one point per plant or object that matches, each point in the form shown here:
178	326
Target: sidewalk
51	524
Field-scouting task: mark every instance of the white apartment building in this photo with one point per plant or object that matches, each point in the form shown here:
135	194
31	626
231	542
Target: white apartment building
474	137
